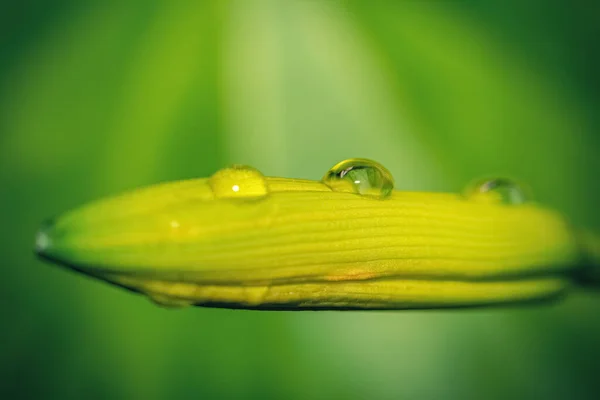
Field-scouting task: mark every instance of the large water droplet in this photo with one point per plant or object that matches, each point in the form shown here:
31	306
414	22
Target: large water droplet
238	181
362	176
499	190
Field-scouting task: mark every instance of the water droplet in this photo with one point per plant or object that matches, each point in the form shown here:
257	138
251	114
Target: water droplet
499	190
362	176
238	181
44	238
168	302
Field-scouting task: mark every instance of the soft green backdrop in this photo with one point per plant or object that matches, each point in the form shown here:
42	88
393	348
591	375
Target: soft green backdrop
99	97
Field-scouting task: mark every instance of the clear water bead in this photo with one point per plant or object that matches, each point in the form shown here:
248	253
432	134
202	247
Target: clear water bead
500	190
238	181
361	176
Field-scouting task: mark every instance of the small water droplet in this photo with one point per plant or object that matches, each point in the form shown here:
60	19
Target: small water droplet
168	302
43	238
238	181
362	176
499	190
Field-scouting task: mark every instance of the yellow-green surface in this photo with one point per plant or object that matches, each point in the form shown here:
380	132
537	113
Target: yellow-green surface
101	97
241	240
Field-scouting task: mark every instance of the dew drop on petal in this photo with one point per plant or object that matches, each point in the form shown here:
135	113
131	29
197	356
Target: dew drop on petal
238	181
361	176
168	302
499	190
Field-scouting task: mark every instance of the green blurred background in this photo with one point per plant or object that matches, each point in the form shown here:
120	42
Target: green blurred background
99	97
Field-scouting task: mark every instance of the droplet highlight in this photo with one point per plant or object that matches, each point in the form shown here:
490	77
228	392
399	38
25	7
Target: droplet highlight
238	181
498	190
361	176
